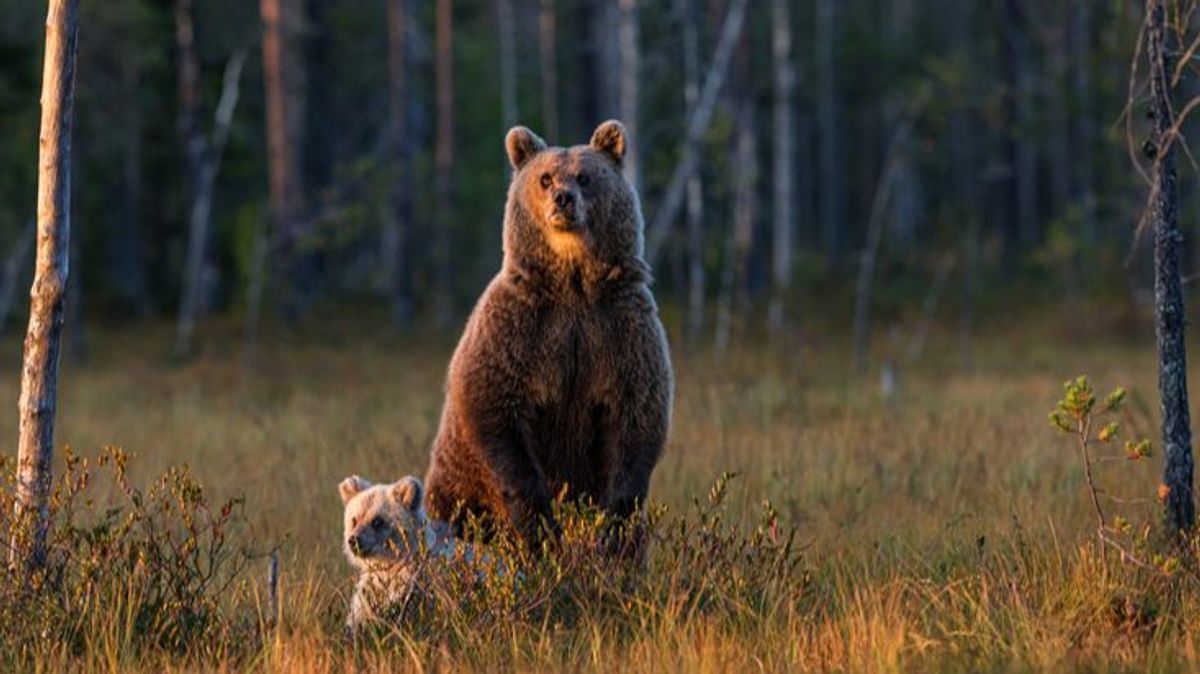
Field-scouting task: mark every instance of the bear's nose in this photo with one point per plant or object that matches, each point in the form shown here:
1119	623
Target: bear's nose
564	199
354	544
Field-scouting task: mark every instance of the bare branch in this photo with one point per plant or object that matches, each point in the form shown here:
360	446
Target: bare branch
656	234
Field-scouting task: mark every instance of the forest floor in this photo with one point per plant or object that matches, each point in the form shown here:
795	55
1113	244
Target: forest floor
943	528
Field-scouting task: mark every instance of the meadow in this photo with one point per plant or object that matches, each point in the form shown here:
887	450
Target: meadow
944	527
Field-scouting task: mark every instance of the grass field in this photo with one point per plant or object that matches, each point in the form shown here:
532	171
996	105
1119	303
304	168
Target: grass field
943	529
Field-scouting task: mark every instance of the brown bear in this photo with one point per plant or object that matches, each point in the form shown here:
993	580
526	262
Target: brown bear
562	379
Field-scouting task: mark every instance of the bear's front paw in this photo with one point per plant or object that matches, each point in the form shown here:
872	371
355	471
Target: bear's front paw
534	523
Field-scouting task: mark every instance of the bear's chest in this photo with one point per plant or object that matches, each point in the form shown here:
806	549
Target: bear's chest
574	360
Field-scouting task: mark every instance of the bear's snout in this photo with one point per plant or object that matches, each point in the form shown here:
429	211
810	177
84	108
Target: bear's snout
564	199
565	212
355	545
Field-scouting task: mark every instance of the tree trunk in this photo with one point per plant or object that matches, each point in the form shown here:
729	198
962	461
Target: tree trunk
127	268
1022	151
194	150
548	43
630	67
506	27
314	46
398	224
695	188
39	373
905	212
732	301
283	80
697	126
587	98
1170	312
1054	89
1086	127
784	149
964	183
191	303
831	200
885	188
189	90
444	161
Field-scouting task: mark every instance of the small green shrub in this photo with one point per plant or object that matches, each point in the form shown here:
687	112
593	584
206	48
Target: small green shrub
1082	415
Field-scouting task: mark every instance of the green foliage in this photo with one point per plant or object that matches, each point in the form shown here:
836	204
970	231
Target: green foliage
1076	414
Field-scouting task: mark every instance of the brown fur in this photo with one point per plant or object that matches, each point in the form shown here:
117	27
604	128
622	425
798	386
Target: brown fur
562	377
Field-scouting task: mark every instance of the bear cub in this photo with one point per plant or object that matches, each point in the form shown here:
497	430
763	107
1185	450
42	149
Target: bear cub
387	538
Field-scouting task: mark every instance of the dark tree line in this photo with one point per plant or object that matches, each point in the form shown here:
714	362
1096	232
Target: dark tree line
280	156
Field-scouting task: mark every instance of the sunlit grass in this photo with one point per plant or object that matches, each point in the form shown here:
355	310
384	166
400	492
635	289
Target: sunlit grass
945	528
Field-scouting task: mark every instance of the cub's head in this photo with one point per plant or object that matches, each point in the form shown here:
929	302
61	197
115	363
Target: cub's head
384	522
572	203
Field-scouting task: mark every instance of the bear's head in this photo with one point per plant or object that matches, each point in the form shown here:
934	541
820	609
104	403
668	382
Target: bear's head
572	206
384	523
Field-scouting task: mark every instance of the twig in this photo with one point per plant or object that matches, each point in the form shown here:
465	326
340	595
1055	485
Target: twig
273	590
1085	425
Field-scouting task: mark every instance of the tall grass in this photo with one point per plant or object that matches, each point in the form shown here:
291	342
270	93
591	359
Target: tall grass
943	529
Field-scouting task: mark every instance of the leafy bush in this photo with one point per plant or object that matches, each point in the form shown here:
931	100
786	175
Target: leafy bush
143	569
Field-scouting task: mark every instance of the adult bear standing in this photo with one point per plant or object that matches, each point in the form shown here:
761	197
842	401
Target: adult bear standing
562	377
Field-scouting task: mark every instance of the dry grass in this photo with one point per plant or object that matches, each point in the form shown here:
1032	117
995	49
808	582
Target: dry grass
944	529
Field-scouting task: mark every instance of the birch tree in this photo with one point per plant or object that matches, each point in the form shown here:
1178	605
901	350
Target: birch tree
39	374
731	299
629	94
829	147
203	162
697	126
905	210
695	188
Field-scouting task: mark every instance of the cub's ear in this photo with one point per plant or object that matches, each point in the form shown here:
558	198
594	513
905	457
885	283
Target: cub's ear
609	138
522	144
351	486
408	492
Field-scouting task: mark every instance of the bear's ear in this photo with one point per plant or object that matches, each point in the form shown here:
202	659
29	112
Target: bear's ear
522	144
407	493
351	486
609	138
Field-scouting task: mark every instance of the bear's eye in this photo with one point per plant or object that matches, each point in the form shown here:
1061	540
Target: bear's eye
583	179
546	181
353	522
377	523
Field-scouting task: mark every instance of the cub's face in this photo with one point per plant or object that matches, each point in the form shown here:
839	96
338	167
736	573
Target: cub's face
575	196
383	523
